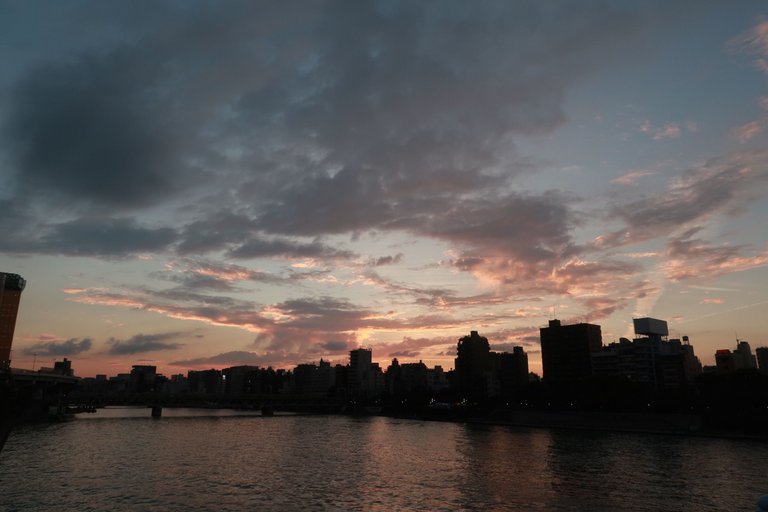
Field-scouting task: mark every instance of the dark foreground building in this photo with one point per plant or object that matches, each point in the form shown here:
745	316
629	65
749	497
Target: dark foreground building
11	286
566	350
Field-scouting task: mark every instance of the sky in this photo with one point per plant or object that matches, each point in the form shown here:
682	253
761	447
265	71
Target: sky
207	184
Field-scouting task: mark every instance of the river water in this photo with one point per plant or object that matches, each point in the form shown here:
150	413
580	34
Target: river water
195	460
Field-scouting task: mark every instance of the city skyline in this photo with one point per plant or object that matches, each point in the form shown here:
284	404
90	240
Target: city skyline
200	185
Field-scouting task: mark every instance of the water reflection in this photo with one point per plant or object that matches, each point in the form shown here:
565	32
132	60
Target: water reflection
226	461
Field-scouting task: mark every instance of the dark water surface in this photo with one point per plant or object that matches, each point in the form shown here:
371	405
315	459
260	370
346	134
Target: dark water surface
120	459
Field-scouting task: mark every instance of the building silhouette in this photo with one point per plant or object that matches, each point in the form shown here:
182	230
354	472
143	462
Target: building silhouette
11	286
566	350
741	358
650	358
142	378
473	367
364	377
511	369
481	373
761	354
241	380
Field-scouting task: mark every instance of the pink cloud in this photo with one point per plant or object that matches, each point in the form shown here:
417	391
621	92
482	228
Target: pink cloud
747	131
668	131
690	258
42	337
754	42
631	177
712	301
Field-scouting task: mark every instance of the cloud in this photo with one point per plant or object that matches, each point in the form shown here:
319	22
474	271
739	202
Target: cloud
754	42
387	260
255	120
712	301
70	347
717	186
667	131
336	346
241	357
749	130
141	343
235	357
88	130
90	236
308	326
631	177
693	258
202	274
258	247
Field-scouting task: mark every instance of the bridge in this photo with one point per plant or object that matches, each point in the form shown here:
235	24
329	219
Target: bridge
300	403
26	395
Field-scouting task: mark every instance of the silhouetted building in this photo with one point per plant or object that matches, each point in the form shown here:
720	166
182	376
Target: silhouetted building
63	367
740	359
313	379
511	370
566	350
724	360
762	358
651	360
743	357
176	384
204	381
473	366
142	378
241	380
11	286
364	378
437	379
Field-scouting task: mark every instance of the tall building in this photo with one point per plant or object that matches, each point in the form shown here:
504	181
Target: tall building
364	377
762	358
143	377
566	350
740	359
473	366
11	286
512	371
743	356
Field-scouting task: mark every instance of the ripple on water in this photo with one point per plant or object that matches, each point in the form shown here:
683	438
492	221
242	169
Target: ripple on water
191	462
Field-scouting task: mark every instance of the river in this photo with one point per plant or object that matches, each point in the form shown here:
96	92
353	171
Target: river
200	460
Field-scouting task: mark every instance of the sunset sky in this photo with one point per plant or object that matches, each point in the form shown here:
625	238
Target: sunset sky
207	184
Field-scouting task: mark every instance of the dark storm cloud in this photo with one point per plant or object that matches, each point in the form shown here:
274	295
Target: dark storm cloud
313	118
104	237
69	347
88	132
387	260
271	247
141	343
336	346
88	236
214	232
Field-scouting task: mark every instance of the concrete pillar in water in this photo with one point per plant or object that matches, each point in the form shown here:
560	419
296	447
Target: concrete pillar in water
157	411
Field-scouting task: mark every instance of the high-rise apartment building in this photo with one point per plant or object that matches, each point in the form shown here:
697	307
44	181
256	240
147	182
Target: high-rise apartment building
11	286
566	350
